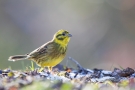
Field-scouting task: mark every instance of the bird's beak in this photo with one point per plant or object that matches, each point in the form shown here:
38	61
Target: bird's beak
69	35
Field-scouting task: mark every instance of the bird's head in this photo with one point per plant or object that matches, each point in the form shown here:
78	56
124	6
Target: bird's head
62	37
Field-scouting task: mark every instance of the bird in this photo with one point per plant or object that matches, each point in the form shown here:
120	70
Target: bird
49	54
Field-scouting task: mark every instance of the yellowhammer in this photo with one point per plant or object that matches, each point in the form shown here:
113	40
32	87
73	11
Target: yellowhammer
50	54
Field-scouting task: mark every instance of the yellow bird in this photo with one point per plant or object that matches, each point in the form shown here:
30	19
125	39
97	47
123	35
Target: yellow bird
50	54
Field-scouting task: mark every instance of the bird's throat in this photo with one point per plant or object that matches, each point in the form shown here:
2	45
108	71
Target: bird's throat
63	43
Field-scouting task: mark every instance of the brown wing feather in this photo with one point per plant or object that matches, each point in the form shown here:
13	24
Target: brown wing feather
42	51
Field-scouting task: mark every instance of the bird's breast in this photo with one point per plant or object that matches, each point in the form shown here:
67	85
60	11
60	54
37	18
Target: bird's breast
53	58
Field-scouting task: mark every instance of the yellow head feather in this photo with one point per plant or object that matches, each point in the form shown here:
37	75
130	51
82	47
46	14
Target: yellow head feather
62	37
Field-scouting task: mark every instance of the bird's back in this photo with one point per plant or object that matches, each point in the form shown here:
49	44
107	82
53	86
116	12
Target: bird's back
49	54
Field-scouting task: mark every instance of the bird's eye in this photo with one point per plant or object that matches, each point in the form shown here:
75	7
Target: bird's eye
63	34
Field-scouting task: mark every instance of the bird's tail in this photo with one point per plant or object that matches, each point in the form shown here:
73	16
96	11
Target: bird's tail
17	57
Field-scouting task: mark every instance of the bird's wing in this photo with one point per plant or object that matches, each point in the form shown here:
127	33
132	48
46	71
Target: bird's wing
42	51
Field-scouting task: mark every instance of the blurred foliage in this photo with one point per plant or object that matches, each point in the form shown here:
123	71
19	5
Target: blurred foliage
66	86
89	86
32	67
38	86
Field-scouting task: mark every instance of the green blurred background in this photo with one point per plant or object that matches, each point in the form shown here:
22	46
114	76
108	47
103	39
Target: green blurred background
103	30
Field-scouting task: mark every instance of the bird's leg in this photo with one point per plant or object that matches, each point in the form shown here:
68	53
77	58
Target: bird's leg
50	69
